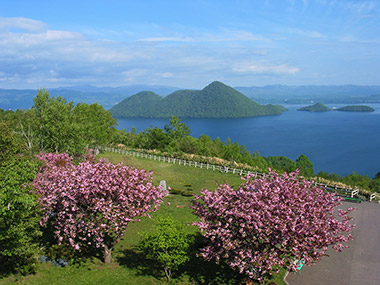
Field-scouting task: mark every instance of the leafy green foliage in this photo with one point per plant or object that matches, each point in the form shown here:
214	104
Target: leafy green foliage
168	245
55	125
305	166
175	129
282	163
92	124
18	211
9	144
216	100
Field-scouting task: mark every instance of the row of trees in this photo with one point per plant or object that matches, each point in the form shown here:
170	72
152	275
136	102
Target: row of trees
55	125
175	138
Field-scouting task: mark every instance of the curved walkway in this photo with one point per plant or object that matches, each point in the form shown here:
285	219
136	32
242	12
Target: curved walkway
357	265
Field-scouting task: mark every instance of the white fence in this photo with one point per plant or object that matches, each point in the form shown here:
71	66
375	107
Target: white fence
221	168
353	193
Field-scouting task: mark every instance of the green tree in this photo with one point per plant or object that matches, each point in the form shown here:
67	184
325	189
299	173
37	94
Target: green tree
18	209
156	138
9	144
93	124
168	245
355	179
176	129
281	163
60	126
54	125
259	161
305	165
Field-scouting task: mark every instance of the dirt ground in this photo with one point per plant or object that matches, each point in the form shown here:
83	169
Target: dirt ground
357	265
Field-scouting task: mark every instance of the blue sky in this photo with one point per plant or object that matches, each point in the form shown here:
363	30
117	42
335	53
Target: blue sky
188	44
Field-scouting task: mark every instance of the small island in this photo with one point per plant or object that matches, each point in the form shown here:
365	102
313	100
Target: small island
356	108
318	107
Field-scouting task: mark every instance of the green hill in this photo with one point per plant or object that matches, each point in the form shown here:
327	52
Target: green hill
136	104
356	108
216	100
318	107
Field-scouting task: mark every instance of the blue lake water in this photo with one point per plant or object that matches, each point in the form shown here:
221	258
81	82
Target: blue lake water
340	142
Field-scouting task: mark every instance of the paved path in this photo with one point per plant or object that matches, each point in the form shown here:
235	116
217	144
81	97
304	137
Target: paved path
357	265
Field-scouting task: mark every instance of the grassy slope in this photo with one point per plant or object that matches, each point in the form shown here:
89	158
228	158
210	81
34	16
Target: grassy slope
129	267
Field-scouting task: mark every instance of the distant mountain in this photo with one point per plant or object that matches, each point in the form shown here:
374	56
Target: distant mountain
318	107
16	99
105	96
270	94
216	100
312	93
137	104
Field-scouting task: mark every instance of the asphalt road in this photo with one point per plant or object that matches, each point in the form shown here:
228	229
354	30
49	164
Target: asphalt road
357	265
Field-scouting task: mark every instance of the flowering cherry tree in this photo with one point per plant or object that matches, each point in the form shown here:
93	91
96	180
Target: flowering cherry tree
91	203
271	222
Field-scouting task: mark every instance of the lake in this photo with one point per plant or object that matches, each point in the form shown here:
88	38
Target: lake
340	142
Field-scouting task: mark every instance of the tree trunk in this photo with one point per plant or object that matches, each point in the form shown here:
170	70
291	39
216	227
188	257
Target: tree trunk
167	273
107	254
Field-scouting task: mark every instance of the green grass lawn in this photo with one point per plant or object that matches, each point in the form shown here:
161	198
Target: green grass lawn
129	266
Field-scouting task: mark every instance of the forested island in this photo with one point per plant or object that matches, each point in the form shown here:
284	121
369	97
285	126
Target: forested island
318	107
216	100
356	108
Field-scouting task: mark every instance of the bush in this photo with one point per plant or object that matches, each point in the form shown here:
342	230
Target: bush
168	245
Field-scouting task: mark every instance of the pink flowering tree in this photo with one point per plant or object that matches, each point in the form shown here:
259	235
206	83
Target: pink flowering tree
89	204
271	222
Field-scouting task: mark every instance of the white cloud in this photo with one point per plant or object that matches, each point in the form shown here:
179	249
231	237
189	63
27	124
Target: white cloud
167	74
21	23
225	35
306	33
266	69
357	7
167	39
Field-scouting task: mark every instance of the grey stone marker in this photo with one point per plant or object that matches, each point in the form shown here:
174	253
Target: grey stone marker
163	184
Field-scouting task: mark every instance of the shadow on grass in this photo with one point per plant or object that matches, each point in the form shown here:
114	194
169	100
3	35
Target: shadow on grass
135	259
198	270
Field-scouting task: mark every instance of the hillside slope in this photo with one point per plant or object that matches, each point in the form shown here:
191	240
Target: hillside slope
216	100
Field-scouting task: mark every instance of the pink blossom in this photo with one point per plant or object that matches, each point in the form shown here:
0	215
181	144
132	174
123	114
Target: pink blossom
92	202
270	222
